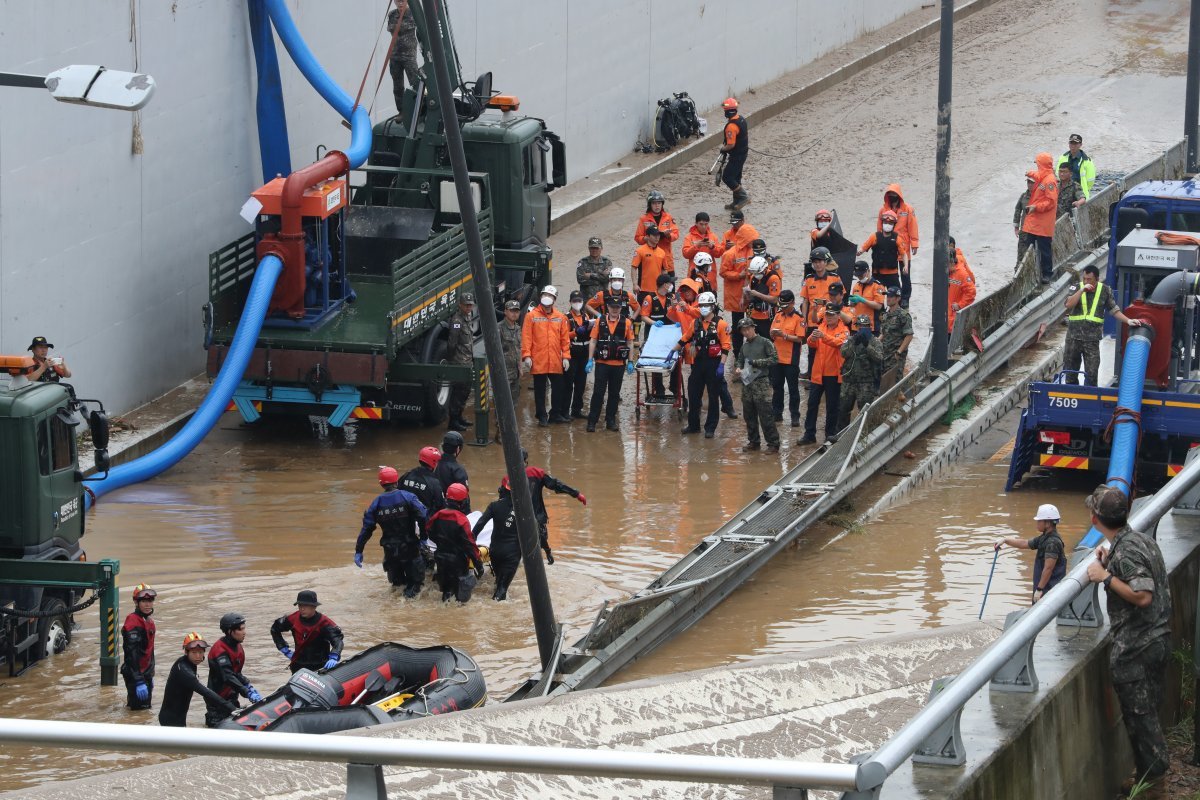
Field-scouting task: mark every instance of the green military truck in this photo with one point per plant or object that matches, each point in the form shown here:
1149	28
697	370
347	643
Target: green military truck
384	272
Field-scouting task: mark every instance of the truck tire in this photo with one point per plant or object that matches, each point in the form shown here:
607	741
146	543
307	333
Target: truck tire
436	393
54	631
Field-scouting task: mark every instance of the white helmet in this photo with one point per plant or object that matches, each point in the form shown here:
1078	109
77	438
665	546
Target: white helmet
616	274
703	260
552	291
706	299
1047	512
758	265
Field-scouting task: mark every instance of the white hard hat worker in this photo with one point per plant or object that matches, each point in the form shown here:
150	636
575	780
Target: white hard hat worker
702	261
549	295
1047	513
758	265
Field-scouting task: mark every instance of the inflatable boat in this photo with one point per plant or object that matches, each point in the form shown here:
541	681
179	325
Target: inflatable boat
388	683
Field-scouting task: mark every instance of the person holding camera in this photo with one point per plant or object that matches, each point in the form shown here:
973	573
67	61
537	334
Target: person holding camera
50	369
814	295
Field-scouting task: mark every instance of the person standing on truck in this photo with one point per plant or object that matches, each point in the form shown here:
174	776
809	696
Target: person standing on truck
1083	171
907	235
403	61
183	682
539	482
225	663
1050	564
1139	607
137	641
580	325
1024	240
658	218
317	638
1087	303
401	516
50	369
735	144
753	368
505	550
650	261
422	480
611	342
592	270
456	549
546	352
450	469
460	351
1041	213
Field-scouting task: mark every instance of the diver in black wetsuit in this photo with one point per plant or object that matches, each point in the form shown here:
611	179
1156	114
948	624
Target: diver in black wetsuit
539	481
505	548
183	682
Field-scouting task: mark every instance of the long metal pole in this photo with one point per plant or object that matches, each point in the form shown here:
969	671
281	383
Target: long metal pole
1191	101
940	359
535	572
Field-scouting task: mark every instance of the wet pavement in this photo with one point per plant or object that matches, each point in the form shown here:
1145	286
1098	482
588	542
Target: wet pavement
256	514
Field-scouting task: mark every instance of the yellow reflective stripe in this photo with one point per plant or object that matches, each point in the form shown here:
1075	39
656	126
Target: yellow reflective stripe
1089	314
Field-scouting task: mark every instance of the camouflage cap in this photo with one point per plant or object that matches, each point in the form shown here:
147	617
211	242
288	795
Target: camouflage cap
894	291
864	321
746	322
466	299
595	242
512	305
1074	138
1108	501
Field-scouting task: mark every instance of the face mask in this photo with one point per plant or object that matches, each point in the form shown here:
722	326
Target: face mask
822	225
706	310
547	300
576	306
616	285
888	228
666	290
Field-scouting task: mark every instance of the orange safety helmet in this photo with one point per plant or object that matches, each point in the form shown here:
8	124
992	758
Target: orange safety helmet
457	492
429	456
824	214
388	475
885	216
730	104
192	641
143	592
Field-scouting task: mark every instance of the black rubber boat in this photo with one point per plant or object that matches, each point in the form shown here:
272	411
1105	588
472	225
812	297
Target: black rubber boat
388	683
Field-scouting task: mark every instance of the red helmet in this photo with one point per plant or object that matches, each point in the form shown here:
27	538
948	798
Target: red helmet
429	456
457	492
388	475
143	592
730	104
824	214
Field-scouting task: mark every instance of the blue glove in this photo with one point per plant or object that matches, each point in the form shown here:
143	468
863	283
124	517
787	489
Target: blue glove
252	694
358	560
287	651
721	370
658	323
334	658
628	367
591	365
142	692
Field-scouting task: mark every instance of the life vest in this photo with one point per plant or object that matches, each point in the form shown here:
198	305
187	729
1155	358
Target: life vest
658	308
145	629
446	530
1060	569
581	330
742	144
611	345
237	659
1085	312
305	632
706	340
624	297
885	255
761	284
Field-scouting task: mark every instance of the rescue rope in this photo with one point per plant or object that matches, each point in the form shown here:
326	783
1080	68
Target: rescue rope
1168	237
27	614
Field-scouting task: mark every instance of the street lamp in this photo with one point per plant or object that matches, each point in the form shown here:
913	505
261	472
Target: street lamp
89	85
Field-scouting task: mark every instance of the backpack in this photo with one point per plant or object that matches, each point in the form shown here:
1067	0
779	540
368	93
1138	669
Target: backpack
675	120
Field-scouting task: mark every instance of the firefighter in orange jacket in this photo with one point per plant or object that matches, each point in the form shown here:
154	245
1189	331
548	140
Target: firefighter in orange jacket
962	285
814	294
762	293
609	354
616	288
866	298
826	377
657	217
546	353
710	342
884	245
788	333
650	261
701	238
907	235
735	264
702	273
1042	213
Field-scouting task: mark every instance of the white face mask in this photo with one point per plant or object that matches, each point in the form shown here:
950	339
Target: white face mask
822	225
888	228
547	300
616	286
576	306
706	310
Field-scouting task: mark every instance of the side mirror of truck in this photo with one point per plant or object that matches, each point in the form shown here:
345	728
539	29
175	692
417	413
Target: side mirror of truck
103	464
98	424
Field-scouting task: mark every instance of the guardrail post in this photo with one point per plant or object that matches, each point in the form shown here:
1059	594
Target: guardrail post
1084	611
1017	674
862	794
944	746
365	782
788	793
107	586
482	404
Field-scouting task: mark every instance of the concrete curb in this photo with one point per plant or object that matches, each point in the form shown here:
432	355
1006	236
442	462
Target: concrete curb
681	155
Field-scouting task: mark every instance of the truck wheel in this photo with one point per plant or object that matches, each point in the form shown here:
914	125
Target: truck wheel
437	393
54	631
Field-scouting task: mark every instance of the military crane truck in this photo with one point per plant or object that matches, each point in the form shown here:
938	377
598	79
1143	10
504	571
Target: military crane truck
43	567
387	259
1066	426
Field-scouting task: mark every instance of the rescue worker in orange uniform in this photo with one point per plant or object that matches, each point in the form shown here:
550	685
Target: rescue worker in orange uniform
616	288
657	310
1042	213
735	264
580	325
702	272
137	642
736	143
907	235
710	340
546	353
701	238
686	311
788	333
884	245
962	285
609	354
826	377
814	295
658	218
762	293
867	297
842	249
650	261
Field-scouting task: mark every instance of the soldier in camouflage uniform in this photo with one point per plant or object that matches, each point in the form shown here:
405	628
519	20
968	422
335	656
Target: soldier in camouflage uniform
753	367
460	349
592	271
862	356
895	332
510	340
1086	304
1070	193
404	52
1139	604
1023	239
